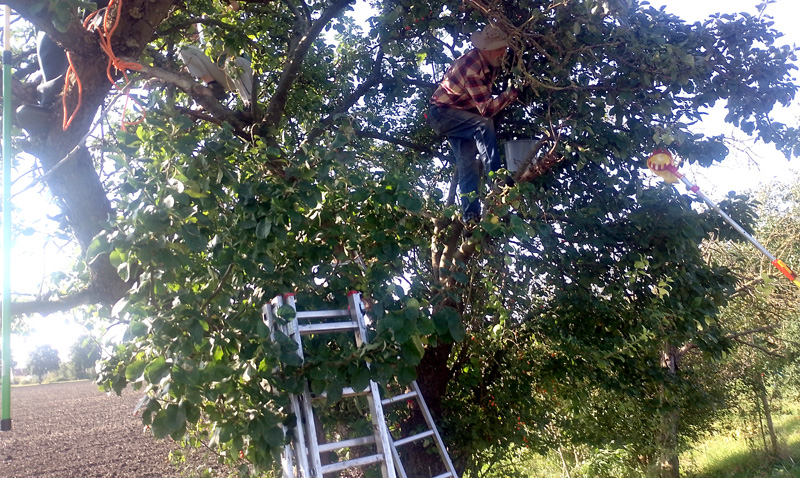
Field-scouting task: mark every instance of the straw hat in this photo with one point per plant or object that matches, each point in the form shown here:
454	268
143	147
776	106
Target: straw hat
490	38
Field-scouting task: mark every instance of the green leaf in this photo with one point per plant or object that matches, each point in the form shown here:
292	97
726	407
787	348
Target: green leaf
274	436
360	378
410	353
441	320
119	306
457	330
134	371
193	238
417	341
116	257
286	313
98	247
124	271
263	228
156	370
136	329
168	421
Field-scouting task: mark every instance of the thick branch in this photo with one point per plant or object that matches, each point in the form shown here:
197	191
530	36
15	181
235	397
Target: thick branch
62	304
199	93
75	182
421	83
758	347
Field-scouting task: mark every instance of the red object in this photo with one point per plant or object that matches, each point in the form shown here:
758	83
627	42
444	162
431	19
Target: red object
784	269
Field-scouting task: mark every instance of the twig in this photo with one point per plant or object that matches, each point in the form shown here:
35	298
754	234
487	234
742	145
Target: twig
222	280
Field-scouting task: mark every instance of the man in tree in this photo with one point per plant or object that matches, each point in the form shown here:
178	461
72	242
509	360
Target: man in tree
463	110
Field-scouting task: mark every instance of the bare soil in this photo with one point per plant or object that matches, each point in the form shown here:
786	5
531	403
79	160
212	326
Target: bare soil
74	430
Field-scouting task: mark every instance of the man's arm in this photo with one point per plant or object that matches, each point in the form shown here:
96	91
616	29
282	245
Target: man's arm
492	106
479	88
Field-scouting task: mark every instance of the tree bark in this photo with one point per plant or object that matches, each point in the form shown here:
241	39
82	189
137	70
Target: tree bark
669	464
68	167
761	391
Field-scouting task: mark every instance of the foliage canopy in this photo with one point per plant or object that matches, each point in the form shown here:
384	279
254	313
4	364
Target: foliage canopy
191	220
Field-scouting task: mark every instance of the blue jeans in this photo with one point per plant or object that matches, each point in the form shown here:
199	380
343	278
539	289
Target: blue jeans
474	143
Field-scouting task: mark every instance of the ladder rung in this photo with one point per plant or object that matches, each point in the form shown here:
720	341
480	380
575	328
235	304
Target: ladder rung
444	475
322	314
346	392
326	328
356	462
418	436
398	398
346	443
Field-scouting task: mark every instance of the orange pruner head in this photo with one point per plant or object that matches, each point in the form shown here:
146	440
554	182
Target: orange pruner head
661	163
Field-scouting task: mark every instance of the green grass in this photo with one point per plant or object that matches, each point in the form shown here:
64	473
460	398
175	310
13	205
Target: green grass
730	456
723	455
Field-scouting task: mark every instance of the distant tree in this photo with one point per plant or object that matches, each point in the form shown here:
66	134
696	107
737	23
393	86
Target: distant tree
43	359
13	362
83	355
762	314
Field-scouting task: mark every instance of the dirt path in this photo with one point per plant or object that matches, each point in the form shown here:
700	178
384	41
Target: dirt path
73	430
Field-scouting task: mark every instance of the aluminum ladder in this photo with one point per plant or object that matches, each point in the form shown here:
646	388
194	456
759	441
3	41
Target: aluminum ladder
301	458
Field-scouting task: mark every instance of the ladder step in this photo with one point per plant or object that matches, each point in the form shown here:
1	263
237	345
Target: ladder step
418	436
332	327
398	398
346	393
322	314
344	465
323	447
445	475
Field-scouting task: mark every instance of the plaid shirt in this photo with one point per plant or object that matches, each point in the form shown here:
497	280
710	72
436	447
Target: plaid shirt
467	85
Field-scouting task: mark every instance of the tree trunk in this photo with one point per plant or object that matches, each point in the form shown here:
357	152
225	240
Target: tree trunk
761	391
433	375
67	165
669	465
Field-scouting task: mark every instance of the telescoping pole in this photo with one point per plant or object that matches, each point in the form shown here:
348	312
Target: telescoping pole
5	418
779	264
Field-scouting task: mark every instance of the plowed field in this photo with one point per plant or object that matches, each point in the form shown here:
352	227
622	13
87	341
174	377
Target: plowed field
73	430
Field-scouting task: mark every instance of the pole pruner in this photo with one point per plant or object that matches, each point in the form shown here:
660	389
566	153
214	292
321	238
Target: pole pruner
662	164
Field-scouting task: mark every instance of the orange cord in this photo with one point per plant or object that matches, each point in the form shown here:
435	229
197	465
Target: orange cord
106	32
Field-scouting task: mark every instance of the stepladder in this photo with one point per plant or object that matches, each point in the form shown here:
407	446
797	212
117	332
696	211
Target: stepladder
338	434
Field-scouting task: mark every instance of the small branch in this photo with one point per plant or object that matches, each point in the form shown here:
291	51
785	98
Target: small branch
372	80
733	336
451	192
199	115
277	104
746	286
222	280
391	139
766	328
